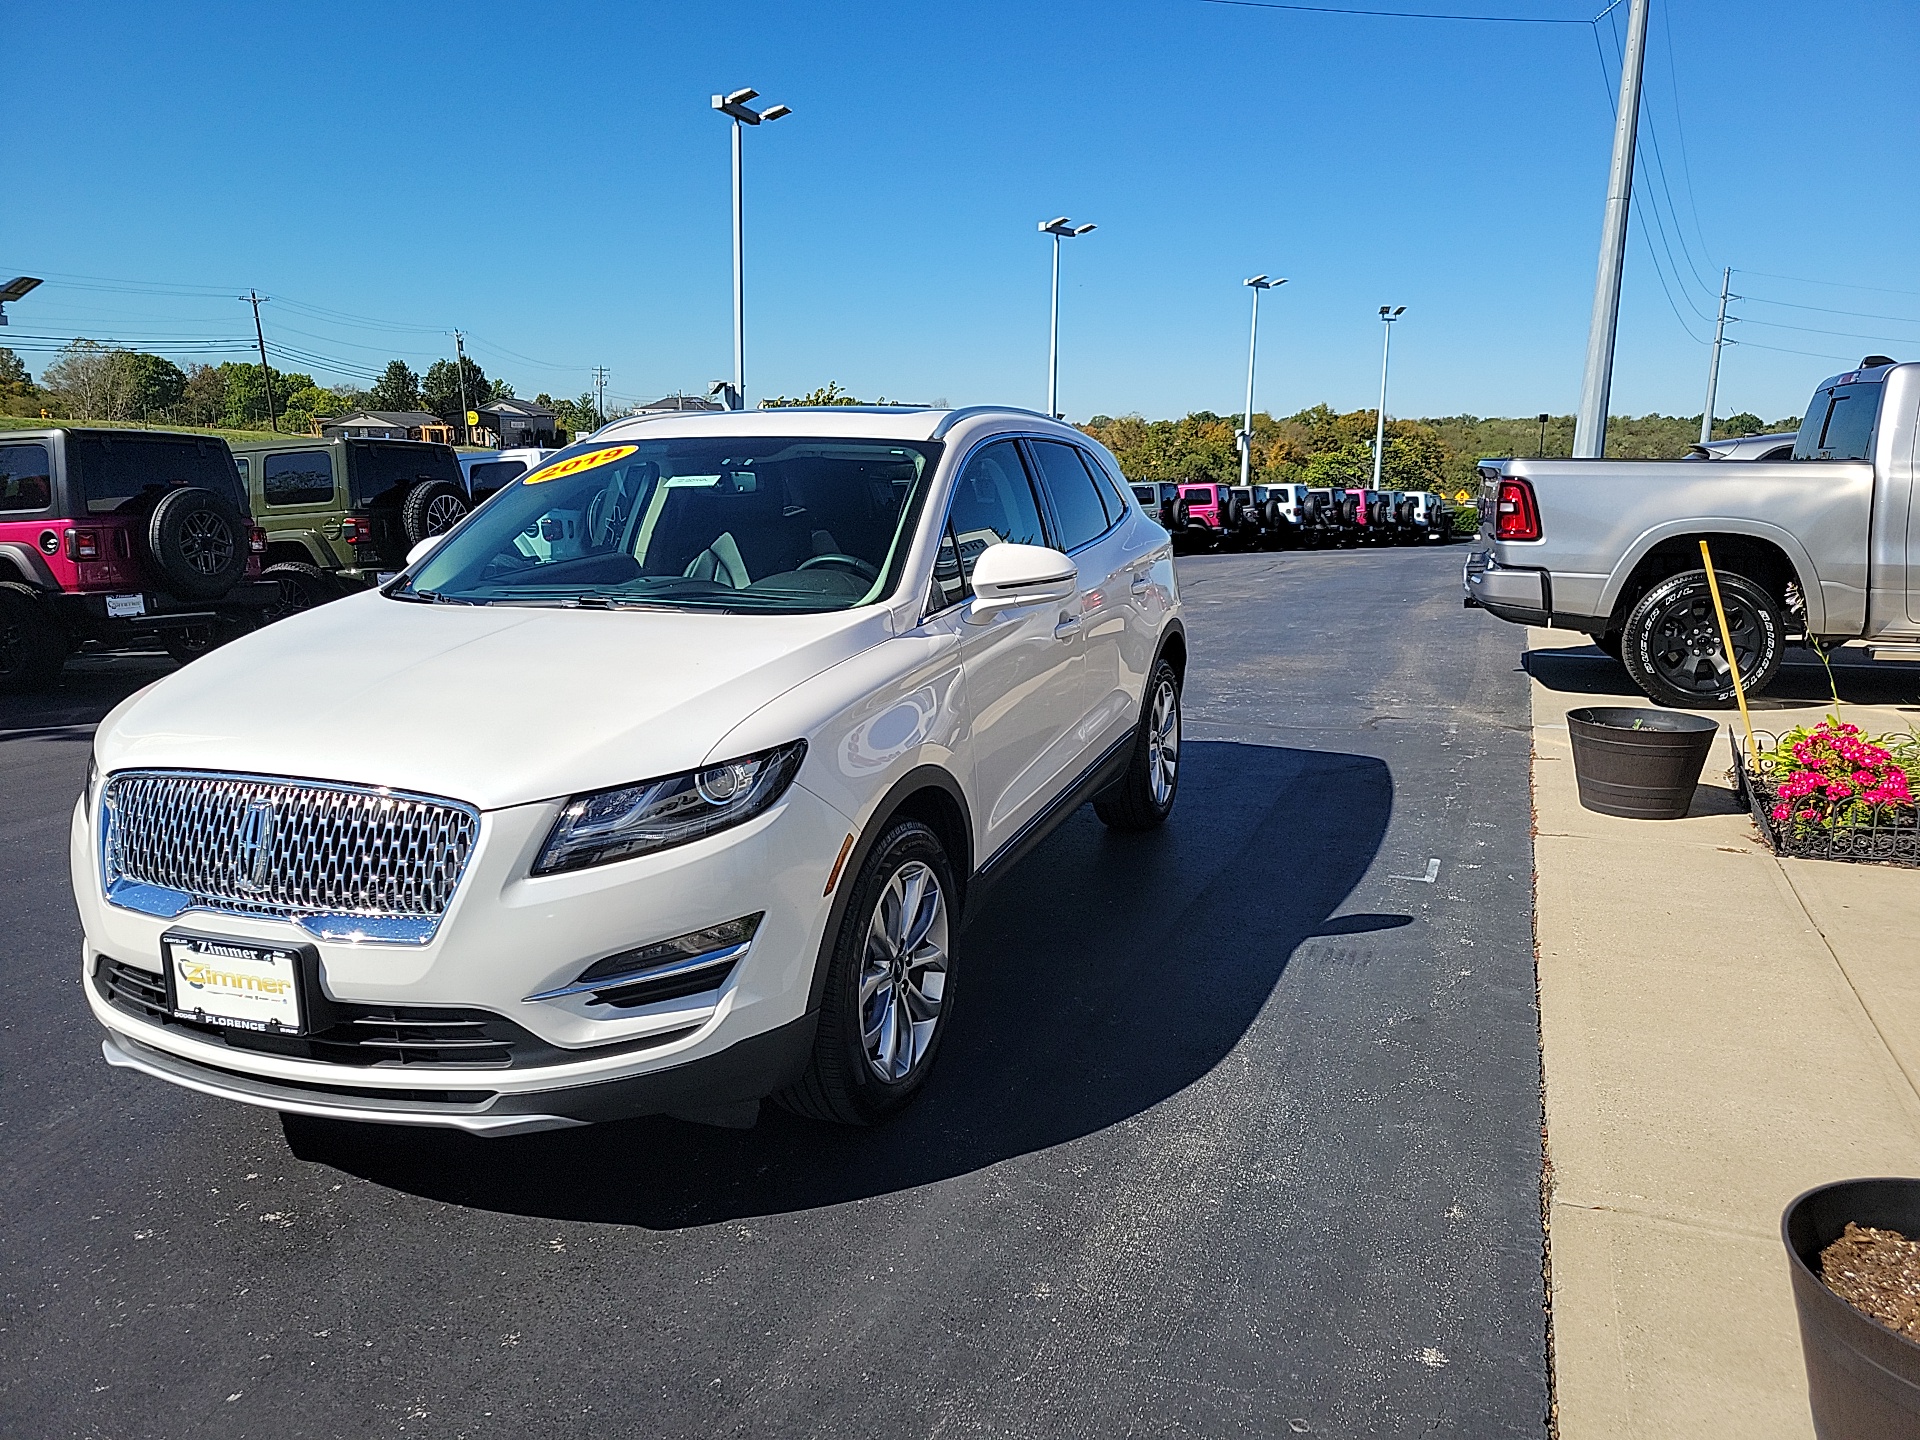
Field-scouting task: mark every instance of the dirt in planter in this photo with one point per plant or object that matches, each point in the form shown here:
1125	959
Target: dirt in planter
1878	1273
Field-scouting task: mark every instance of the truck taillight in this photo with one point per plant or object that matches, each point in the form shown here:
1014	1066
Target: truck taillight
1517	516
83	544
356	529
257	540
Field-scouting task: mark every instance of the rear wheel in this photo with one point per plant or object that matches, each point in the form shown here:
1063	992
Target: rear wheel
302	587
1143	797
431	509
32	647
191	642
1671	642
889	986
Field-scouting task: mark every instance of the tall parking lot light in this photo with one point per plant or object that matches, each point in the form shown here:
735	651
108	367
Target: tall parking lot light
1061	229
1388	314
1257	283
736	108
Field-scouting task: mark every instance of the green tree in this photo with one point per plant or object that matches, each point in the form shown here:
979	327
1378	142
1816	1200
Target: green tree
398	388
18	394
150	385
440	390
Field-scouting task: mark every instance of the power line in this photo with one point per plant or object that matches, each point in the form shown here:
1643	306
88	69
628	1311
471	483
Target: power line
1827	309
1836	284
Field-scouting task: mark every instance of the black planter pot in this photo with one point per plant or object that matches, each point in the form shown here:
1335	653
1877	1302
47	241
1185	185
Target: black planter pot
1862	1378
1637	762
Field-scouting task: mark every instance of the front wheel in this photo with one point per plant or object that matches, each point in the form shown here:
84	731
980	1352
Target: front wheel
1671	642
1143	797
889	986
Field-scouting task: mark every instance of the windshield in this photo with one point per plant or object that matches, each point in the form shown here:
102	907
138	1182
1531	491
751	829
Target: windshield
702	522
1839	423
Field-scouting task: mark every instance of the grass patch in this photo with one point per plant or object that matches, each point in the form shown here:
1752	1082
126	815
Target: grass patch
30	422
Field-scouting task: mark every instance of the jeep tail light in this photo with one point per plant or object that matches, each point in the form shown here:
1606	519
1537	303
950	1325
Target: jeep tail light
356	529
83	544
257	540
1517	515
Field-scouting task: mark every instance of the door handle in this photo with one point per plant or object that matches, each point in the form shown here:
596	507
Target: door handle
1068	627
1141	582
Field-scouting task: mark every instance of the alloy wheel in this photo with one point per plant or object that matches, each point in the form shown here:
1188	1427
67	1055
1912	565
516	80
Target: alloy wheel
1163	744
903	973
1684	642
443	513
207	542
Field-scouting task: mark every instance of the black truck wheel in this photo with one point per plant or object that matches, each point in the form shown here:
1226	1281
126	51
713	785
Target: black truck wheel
431	509
190	642
1671	641
302	586
198	542
32	646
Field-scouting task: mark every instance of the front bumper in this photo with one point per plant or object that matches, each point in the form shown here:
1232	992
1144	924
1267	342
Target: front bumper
506	937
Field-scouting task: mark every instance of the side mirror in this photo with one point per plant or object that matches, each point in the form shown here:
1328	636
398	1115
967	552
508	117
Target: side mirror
423	549
1006	577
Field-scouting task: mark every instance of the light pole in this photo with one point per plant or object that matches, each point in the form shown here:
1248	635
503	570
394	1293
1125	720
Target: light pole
1388	314
1256	284
736	108
1061	229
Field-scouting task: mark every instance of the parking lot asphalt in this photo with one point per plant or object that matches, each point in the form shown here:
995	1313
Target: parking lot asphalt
1237	1131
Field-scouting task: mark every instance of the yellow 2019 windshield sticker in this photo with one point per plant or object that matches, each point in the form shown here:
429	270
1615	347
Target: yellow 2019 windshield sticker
589	461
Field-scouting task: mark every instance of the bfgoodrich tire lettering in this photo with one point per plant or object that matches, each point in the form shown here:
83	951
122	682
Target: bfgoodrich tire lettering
1671	643
889	990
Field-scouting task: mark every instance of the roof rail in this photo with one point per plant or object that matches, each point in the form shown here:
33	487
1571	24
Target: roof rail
967	412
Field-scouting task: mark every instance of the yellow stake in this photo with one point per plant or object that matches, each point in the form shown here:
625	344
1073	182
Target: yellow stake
1726	640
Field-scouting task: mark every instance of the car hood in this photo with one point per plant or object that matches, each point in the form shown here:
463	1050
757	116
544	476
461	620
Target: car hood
494	705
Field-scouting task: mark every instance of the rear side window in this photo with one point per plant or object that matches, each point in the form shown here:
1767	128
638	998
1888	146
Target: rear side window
1839	423
380	470
26	478
492	474
109	470
303	477
1109	487
993	504
1077	506
1199	494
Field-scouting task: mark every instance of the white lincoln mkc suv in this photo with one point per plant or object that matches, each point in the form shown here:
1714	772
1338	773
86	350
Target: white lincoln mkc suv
659	784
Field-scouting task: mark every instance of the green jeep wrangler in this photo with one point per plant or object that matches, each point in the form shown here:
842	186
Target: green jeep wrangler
341	514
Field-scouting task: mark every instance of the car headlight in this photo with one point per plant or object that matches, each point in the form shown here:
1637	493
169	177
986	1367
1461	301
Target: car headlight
617	824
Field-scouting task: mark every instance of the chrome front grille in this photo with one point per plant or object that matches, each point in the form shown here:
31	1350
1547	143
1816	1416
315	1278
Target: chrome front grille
348	862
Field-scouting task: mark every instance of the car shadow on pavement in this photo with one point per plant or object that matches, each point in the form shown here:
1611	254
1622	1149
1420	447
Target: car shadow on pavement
1104	975
1801	681
89	687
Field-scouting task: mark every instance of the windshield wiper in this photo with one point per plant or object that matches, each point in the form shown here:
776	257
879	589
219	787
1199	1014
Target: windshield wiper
433	597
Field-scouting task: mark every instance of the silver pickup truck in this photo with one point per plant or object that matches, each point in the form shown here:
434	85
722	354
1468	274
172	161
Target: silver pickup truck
1825	545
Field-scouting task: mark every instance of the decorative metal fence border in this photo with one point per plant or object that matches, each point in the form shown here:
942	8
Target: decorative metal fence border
1888	835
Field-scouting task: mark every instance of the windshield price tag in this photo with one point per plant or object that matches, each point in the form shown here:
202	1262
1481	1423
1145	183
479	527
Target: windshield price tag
592	460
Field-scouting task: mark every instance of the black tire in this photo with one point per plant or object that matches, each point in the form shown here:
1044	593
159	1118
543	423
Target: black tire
431	508
302	587
1143	797
198	542
189	643
843	1083
1671	641
33	648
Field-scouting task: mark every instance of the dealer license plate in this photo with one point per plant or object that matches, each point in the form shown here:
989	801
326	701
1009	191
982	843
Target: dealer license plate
234	982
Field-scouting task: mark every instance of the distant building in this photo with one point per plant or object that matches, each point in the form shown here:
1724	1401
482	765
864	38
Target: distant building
385	425
670	404
507	424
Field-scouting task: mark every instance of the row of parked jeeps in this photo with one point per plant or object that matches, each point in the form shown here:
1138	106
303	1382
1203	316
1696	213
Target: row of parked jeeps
121	539
1209	516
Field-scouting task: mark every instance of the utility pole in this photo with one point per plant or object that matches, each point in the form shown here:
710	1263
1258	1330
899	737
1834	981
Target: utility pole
266	375
1713	368
1387	316
1596	387
460	367
1256	284
600	393
1544	417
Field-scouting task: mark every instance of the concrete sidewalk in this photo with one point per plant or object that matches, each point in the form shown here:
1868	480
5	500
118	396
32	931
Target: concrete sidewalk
1720	1031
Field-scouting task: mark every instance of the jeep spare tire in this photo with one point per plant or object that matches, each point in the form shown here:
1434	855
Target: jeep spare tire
198	542
432	508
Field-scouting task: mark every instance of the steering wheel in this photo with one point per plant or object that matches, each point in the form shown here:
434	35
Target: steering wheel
852	562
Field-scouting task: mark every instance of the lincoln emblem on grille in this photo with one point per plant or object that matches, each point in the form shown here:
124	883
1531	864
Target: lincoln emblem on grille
256	845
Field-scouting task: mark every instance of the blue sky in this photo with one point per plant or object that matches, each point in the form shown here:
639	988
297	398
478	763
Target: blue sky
551	179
